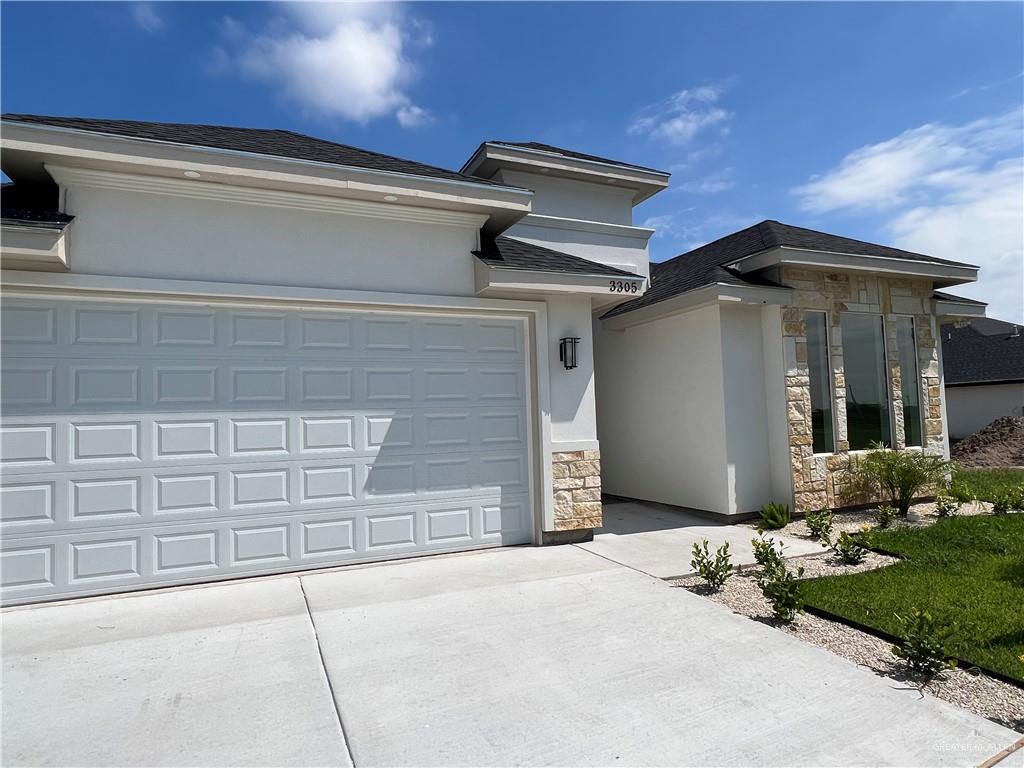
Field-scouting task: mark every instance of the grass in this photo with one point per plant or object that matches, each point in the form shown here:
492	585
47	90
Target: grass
968	570
985	484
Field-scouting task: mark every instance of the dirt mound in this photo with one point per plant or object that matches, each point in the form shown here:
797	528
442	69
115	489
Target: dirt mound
1000	444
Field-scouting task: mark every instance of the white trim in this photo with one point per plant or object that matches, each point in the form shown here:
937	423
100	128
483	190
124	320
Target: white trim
697	298
583	225
569	446
533	314
491	279
259	155
947	308
949	273
204	190
33	247
580	160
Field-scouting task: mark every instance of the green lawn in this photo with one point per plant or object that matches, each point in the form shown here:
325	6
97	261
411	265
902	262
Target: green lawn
984	484
964	569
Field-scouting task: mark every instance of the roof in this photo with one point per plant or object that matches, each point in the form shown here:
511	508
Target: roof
706	265
507	253
260	141
538	147
985	351
30	218
957	299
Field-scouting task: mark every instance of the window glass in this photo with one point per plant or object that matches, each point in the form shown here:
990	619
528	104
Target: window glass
867	390
910	380
821	390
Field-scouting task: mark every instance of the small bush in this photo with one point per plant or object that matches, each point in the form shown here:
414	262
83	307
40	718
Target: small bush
765	553
1017	498
714	570
775	516
848	550
782	589
1002	503
924	642
819	523
946	506
898	476
884	516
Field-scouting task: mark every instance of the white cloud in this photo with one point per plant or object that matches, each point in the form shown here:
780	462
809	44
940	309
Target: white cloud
955	192
719	181
345	60
147	17
680	117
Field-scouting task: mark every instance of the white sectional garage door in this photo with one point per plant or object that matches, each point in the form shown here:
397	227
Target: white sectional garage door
148	444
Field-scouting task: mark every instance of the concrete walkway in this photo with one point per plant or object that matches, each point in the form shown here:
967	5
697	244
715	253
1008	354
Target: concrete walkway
526	656
657	539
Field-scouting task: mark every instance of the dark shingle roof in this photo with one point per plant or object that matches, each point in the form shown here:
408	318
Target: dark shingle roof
958	299
507	253
263	141
30	218
705	265
569	153
987	350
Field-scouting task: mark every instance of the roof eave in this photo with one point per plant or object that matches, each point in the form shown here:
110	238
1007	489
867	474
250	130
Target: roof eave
715	293
942	274
497	280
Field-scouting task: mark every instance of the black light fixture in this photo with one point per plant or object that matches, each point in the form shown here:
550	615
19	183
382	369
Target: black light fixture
567	351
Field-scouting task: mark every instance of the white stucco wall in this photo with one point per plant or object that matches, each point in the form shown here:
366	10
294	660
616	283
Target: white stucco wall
968	409
573	199
622	252
661	411
775	405
152	235
746	415
573	412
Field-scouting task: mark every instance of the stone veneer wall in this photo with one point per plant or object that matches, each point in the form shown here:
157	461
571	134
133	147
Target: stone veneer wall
577	483
818	479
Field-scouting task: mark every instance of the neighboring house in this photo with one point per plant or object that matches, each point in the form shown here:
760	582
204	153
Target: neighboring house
229	351
984	364
754	365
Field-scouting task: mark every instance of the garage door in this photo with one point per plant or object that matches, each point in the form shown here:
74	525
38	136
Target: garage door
150	444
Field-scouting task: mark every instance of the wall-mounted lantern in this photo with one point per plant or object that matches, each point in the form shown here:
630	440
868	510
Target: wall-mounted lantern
567	351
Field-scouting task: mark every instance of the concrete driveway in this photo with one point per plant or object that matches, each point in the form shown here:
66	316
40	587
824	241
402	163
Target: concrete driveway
525	656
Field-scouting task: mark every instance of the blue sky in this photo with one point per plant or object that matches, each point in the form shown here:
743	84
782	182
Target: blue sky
896	123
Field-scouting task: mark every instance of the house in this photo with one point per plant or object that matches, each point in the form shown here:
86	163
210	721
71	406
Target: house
755	365
232	351
984	365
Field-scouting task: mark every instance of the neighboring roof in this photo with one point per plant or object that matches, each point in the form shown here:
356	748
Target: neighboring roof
506	253
538	147
985	351
24	217
261	141
706	265
941	296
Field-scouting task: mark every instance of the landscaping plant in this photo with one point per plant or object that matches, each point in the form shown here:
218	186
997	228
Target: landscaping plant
714	570
819	523
898	476
924	642
848	550
782	589
884	516
765	553
1002	503
775	516
946	506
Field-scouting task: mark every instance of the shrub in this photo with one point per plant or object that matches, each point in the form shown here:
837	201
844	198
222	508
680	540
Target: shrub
1017	498
775	516
884	516
946	506
1002	503
898	476
924	642
819	523
782	590
715	570
765	553
848	550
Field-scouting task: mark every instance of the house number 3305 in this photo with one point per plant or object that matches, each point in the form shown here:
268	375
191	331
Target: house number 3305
618	286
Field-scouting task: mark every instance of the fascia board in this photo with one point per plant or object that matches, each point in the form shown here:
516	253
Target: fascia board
717	293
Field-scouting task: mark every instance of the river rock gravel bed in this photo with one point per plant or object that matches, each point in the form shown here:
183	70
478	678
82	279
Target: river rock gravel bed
974	691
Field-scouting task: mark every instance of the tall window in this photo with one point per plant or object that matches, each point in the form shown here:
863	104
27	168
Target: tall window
910	380
821	390
867	389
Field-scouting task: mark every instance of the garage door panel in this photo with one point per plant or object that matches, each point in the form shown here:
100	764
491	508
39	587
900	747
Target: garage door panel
153	444
83	562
